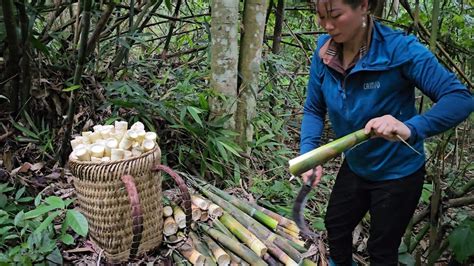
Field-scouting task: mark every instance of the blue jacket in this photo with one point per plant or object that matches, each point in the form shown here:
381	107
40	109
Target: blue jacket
383	82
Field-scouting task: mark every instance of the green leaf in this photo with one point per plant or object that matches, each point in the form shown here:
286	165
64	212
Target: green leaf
25	130
3	200
406	259
67	239
18	218
461	240
194	112
25	199
222	151
46	222
40	210
19	193
5	229
168	5
263	139
38	199
55	201
77	222
318	224
55	257
72	88
230	148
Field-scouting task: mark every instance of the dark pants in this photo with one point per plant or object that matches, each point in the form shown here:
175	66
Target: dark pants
390	203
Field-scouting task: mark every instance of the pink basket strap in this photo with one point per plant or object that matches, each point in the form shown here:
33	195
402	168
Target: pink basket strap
182	187
137	214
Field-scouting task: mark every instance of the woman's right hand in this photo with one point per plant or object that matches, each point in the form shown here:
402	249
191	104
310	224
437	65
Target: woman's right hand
318	172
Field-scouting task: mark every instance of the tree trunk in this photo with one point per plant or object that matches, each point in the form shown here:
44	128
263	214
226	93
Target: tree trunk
224	56
279	17
81	60
25	72
11	78
249	67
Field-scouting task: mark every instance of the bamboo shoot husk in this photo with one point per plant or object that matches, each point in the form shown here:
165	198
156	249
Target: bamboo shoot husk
282	221
167	211
320	155
238	248
262	232
246	207
194	257
288	234
170	227
200	202
243	234
179	216
221	227
219	254
202	248
178	260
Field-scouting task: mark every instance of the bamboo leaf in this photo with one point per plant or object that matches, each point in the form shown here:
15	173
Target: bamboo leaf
72	88
230	148
194	112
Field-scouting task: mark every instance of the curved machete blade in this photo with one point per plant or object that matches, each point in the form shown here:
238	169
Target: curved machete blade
299	206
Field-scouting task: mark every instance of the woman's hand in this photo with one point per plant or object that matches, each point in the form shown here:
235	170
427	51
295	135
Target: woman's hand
388	127
307	175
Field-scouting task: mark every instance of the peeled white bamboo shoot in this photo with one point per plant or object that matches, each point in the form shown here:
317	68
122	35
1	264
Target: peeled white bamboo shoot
75	142
167	211
97	150
151	136
86	133
148	145
138	126
94	136
121	126
96	159
105	159
127	154
140	135
83	154
116	154
125	143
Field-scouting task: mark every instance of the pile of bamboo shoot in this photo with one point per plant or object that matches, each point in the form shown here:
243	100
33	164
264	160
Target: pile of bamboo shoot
230	231
112	142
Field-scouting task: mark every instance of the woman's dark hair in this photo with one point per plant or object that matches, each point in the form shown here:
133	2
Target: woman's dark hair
353	3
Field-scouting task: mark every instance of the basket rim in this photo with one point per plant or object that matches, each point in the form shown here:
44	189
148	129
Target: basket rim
115	162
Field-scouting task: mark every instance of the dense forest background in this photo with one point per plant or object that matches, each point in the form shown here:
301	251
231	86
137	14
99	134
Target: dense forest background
228	111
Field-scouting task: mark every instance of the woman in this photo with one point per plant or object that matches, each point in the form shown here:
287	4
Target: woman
364	74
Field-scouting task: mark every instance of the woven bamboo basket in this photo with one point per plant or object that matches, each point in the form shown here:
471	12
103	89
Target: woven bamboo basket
122	201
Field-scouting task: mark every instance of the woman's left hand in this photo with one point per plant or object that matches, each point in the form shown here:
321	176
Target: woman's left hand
388	127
